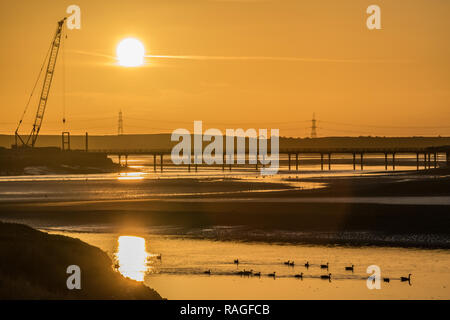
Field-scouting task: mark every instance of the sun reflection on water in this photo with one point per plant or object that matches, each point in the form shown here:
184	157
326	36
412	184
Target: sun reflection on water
130	176
132	257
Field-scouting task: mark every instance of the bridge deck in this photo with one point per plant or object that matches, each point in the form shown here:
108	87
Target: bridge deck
289	151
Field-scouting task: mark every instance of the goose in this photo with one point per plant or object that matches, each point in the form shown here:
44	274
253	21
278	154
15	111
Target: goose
272	275
307	264
403	279
236	261
324	266
350	268
386	279
207	271
327	277
299	276
287	263
291	263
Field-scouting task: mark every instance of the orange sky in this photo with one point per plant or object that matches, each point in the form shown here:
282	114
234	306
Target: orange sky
394	81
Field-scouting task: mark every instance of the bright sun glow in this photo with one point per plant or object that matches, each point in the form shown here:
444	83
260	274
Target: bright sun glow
130	53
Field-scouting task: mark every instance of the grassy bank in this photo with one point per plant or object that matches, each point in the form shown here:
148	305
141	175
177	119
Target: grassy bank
33	265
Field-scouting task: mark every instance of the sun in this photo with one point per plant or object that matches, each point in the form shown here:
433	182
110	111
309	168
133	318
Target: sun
130	53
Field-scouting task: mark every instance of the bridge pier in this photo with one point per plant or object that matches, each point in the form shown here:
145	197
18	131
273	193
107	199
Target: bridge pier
329	161
321	161
417	161
120	160
362	161
296	162
162	160
447	155
385	161
126	161
354	161
435	160
154	162
289	161
393	161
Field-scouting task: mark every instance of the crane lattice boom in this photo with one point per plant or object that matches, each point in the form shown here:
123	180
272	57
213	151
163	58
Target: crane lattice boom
54	50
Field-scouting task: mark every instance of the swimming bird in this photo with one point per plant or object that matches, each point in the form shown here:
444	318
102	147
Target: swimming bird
291	263
272	275
350	268
307	264
324	266
328	277
257	274
236	261
299	276
403	279
287	263
207	271
386	279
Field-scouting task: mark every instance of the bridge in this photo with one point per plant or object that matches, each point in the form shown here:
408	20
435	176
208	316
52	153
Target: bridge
428	156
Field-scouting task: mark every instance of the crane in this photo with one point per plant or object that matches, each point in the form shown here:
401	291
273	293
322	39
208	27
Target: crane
30	140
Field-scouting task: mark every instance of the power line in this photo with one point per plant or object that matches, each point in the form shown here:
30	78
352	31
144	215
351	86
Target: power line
383	127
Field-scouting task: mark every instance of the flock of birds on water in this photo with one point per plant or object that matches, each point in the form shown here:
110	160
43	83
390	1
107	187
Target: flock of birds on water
251	273
289	263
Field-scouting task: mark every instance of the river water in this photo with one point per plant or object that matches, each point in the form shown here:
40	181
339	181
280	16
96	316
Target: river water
180	273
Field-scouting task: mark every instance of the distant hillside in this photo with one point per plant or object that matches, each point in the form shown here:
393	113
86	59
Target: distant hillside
162	141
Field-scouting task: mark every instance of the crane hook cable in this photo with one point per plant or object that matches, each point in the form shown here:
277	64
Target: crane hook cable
34	88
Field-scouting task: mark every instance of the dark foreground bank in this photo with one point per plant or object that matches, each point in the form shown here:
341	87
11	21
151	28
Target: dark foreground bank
33	265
